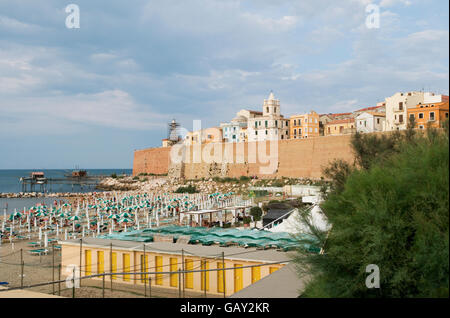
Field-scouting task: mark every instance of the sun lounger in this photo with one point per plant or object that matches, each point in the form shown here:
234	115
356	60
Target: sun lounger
38	251
34	244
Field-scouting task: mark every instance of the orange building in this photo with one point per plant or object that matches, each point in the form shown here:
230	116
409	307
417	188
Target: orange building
304	126
433	114
340	127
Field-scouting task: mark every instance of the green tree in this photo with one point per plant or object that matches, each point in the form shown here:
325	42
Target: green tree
393	212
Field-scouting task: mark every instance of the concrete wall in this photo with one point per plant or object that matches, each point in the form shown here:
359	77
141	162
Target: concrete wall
298	158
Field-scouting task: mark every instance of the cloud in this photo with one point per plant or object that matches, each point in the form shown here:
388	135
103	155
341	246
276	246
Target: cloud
391	3
109	109
132	68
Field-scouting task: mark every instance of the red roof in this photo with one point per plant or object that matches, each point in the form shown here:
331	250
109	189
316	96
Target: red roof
368	108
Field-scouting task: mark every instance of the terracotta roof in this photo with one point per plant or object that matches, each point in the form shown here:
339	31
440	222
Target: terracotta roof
341	121
368	108
435	104
376	114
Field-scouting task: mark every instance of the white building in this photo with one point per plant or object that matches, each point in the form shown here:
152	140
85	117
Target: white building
397	105
369	122
236	130
271	125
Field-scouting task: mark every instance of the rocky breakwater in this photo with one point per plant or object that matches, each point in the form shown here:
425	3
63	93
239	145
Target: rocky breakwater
164	184
21	195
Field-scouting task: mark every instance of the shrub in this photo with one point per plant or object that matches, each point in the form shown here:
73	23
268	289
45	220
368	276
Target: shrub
392	212
256	212
114	176
188	189
247	220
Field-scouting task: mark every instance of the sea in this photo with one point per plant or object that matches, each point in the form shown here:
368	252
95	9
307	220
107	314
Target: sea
9	183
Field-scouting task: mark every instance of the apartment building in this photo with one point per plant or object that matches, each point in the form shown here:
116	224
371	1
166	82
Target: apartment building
429	114
397	107
369	121
304	126
340	127
204	136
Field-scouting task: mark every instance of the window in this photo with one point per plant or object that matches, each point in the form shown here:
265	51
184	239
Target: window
295	122
276	123
420	127
400	118
315	129
365	123
420	115
267	109
287	123
378	120
295	131
400	106
282	137
310	129
306	120
299	122
265	123
266	132
431	115
446	115
256	132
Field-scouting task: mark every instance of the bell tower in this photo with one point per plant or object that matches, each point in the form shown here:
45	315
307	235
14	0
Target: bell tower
271	106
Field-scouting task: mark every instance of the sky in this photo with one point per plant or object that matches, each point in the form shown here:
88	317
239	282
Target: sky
90	96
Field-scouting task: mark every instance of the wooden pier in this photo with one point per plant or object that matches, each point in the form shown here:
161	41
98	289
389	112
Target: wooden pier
37	182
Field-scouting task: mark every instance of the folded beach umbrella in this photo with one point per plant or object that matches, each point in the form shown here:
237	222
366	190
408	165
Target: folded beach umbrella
124	220
74	218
